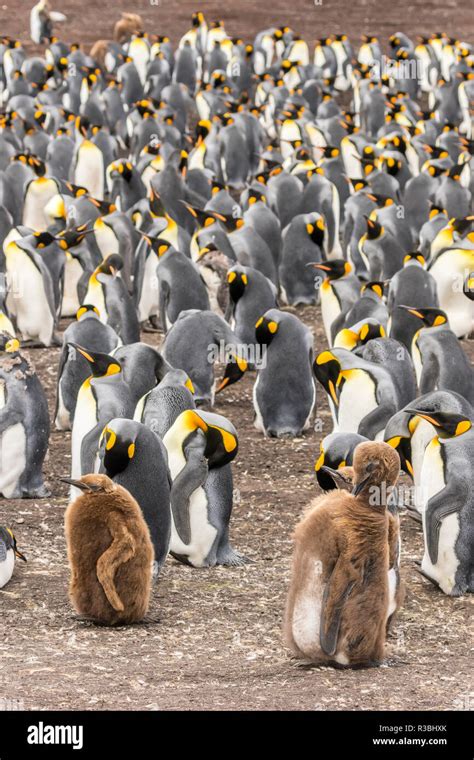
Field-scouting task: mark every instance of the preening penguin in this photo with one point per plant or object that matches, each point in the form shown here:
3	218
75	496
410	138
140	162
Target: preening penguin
362	394
193	343
8	552
108	293
448	514
135	458
200	447
338	600
336	452
409	434
90	332
24	425
339	290
110	553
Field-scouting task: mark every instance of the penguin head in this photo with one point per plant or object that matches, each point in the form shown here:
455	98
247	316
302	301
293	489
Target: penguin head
237	281
203	128
203	217
331	467
374	464
430	317
7	536
265	330
111	265
447	424
70	238
221	443
93	485
382	201
254	196
316	231
414	257
235	369
327	370
359	334
157	244
335	269
401	444
100	365
357	184
121	169
87	310
435	211
42	239
118	445
8	344
374	229
374	286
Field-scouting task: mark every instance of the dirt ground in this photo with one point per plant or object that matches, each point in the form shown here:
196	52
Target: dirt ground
213	637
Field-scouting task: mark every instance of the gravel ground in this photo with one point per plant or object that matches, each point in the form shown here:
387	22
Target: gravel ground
212	639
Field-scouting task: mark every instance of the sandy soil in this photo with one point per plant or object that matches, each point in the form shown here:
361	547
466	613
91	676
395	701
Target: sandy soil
212	639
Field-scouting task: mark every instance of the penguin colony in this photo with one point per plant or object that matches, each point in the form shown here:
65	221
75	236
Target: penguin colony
210	191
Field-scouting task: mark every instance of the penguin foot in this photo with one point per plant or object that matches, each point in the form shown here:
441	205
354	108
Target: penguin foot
37	493
230	558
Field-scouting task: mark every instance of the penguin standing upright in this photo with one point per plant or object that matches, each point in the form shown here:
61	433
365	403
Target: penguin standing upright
107	292
414	286
448	524
136	459
24	425
303	243
250	294
200	447
339	290
284	394
336	610
101	397
110	553
88	170
436	350
30	297
90	332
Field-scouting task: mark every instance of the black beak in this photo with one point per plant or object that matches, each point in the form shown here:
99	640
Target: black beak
360	486
20	555
76	483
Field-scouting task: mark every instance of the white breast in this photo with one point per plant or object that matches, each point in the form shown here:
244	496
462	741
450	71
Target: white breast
357	399
6	568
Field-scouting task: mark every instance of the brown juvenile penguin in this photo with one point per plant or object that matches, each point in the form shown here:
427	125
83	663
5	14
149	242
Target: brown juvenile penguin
338	600
343	478
110	552
127	26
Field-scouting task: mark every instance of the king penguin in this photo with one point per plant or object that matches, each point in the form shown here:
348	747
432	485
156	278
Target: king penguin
24	425
136	459
90	332
201	446
448	515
